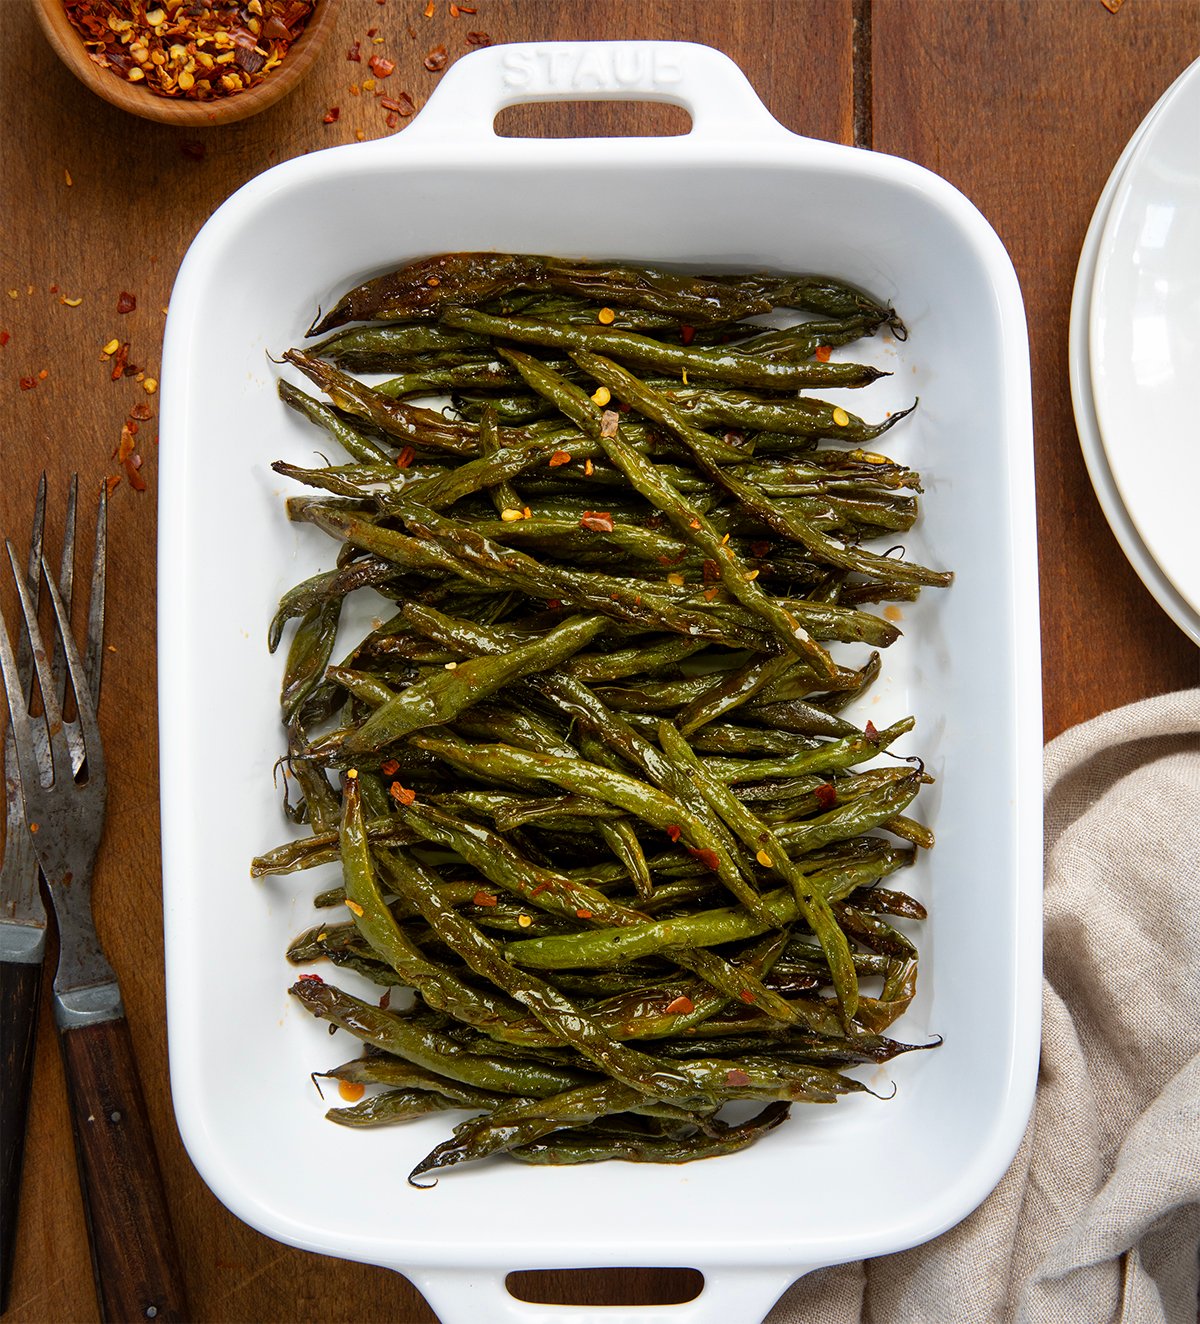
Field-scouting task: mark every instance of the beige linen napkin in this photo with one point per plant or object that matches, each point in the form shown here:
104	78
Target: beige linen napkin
1098	1219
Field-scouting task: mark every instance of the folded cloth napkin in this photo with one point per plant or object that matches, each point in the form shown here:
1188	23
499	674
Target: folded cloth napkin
1098	1218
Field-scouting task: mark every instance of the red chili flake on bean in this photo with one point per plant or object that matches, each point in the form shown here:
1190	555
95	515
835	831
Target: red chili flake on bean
707	857
736	1077
760	548
826	795
598	521
311	979
332	114
401	794
681	1006
380	66
386	1001
583	914
390	768
484	899
405	458
674	831
823	353
870	731
126	302
559	458
686	333
710	572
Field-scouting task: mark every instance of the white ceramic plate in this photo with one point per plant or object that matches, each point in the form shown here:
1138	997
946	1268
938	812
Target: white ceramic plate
1145	335
738	191
1090	440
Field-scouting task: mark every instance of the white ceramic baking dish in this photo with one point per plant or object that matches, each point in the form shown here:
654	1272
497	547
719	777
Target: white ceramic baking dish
859	1179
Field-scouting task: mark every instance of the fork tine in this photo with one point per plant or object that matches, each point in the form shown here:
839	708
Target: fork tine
94	663
24	657
84	703
20	723
52	711
66	587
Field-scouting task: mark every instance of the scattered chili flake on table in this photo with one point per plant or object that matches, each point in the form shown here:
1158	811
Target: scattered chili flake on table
4	338
380	66
28	383
126	302
478	39
429	8
355	53
402	107
331	115
200	51
435	60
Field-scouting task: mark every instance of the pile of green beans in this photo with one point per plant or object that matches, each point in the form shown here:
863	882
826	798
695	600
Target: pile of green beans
602	825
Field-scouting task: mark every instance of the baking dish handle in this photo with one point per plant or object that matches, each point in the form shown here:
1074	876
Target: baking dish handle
705	82
730	1296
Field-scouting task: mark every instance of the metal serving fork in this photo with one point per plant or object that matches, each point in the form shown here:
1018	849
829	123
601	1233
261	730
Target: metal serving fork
22	914
134	1253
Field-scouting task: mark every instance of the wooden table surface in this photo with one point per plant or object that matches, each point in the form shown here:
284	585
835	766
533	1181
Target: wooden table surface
1024	105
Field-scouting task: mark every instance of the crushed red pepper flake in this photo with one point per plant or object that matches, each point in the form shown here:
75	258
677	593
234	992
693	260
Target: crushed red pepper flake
826	795
686	333
125	446
311	979
707	857
429	9
392	120
710	572
332	114
735	1077
401	794
403	105
112	482
484	899
674	831
456	10
28	383
681	1006
435	59
870	730
380	66
583	914
132	465
390	768
4	338
126	302
822	353
554	604
43	373
478	39
406	457
386	1000
598	521
198	51
143	413
120	362
355	53
194	151
610	421
559	458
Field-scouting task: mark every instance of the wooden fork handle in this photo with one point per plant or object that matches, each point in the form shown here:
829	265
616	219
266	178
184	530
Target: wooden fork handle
134	1252
20	987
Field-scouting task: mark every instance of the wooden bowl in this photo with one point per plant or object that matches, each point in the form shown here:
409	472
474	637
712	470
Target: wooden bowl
139	100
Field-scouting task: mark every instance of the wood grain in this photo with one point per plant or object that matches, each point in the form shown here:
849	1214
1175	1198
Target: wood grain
1024	104
20	996
134	1253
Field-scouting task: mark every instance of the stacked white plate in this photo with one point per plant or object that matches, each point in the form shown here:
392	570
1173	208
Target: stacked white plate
1135	351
